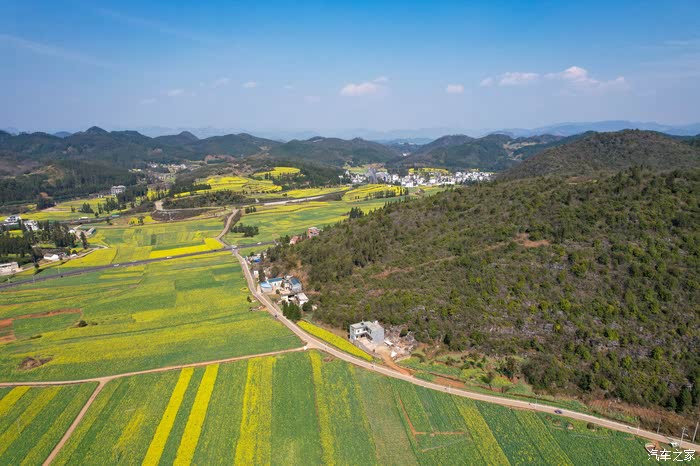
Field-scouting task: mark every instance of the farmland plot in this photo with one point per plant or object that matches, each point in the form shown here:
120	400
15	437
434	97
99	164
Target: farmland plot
33	420
290	219
179	311
307	408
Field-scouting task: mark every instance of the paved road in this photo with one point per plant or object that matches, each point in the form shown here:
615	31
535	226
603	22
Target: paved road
312	342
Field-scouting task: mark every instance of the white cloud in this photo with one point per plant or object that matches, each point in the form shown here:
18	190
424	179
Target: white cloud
454	89
361	89
312	99
487	82
250	84
220	82
579	79
288	87
174	92
381	80
516	78
148	101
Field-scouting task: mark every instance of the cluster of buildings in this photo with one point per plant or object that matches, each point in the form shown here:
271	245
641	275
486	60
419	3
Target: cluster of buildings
423	178
311	232
289	288
13	222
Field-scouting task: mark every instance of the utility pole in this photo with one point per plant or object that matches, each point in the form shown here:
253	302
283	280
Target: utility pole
658	427
696	430
682	435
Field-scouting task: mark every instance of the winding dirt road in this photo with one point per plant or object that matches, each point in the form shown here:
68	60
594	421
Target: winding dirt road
312	342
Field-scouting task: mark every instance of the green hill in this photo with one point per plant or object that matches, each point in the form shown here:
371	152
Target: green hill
334	151
606	152
594	284
495	152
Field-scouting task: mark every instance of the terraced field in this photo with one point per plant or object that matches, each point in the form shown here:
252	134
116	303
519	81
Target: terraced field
238	184
290	219
62	210
365	192
304	408
277	172
120	320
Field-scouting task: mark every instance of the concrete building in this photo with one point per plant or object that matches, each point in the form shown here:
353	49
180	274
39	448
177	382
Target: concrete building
313	232
13	219
271	285
114	190
32	225
371	330
302	299
9	268
294	285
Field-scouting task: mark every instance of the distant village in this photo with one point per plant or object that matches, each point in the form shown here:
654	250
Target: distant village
418	178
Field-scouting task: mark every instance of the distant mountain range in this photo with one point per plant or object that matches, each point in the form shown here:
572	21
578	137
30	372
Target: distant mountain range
415	136
494	152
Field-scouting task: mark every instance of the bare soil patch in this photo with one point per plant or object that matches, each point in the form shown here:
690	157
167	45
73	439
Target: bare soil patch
7	333
33	363
523	239
37	315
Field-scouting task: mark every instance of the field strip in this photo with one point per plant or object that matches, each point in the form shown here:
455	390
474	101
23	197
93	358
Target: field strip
155	449
190	438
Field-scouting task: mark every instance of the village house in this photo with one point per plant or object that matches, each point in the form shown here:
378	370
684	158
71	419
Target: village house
32	225
9	268
119	189
13	219
371	330
313	232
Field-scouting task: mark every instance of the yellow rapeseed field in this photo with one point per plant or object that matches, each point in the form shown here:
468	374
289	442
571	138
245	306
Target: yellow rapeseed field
253	443
155	449
190	437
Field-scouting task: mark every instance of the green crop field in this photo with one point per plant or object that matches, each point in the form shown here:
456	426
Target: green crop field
33	420
279	220
171	312
238	184
62	210
138	242
304	408
277	172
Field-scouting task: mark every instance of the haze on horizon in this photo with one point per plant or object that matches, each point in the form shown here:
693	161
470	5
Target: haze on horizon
388	65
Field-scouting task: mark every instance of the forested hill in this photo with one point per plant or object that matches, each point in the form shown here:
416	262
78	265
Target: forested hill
334	151
495	152
126	148
607	152
595	284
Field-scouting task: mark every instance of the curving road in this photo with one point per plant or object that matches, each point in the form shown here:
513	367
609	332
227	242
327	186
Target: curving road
313	342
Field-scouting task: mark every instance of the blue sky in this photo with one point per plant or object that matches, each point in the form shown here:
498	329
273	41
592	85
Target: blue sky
325	66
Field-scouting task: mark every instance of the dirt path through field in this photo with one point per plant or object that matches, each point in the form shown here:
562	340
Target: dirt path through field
226	229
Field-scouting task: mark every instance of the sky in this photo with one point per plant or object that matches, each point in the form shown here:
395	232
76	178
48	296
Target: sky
326	66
